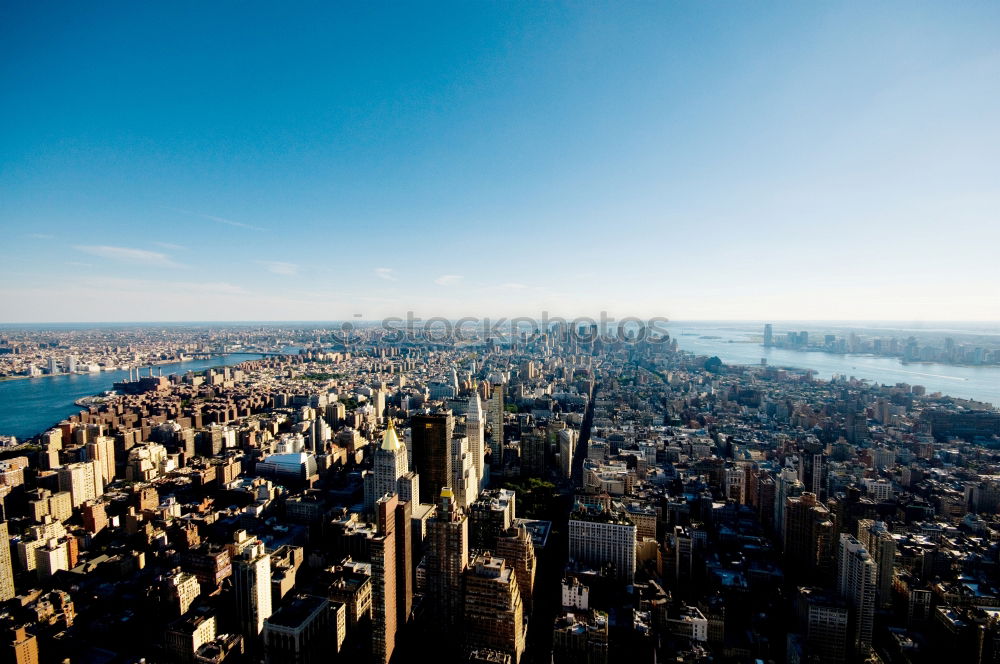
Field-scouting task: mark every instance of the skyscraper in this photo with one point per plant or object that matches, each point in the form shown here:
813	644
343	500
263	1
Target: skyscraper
389	466
768	335
494	613
6	568
878	541
383	559
856	580
432	435
494	415
603	538
447	558
808	534
515	547
252	584
475	430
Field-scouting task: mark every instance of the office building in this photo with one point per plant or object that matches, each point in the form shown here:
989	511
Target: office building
390	472
446	559
515	547
603	539
252	586
494	613
856	580
475	430
432	450
384	598
878	541
305	630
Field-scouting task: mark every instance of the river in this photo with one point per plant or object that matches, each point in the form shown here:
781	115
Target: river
734	345
29	406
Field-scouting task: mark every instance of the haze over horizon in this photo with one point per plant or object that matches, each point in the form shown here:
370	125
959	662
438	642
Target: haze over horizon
240	161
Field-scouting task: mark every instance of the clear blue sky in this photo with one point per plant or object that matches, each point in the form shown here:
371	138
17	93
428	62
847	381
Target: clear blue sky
298	161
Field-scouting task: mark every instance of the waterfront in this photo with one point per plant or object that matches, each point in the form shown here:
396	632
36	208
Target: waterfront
735	345
31	405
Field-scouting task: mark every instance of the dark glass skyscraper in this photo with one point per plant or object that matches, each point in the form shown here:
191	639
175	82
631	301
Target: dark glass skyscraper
432	451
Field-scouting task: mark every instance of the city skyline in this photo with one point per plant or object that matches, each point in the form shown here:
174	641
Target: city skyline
737	163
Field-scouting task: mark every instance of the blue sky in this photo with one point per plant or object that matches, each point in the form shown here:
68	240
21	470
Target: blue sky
241	160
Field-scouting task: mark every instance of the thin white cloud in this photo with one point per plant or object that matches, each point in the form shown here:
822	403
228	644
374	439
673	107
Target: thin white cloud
513	285
448	279
281	267
385	273
170	245
40	236
219	220
129	255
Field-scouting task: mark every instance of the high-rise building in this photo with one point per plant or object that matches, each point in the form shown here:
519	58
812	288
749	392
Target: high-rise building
102	450
464	482
878	541
446	560
787	484
383	559
83	480
515	547
856	580
768	335
390	469
809	534
304	630
494	613
494	416
404	562
6	568
603	538
20	647
826	619
567	448
432	434
252	585
534	442
475	430
492	514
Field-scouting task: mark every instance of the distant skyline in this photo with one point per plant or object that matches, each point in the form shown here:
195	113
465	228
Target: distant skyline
235	161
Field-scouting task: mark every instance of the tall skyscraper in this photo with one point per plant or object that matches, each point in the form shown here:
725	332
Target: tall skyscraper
383	559
856	580
515	547
252	585
809	534
432	434
787	484
878	541
475	430
464	482
447	558
404	562
768	335
494	415
389	466
6	568
494	612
